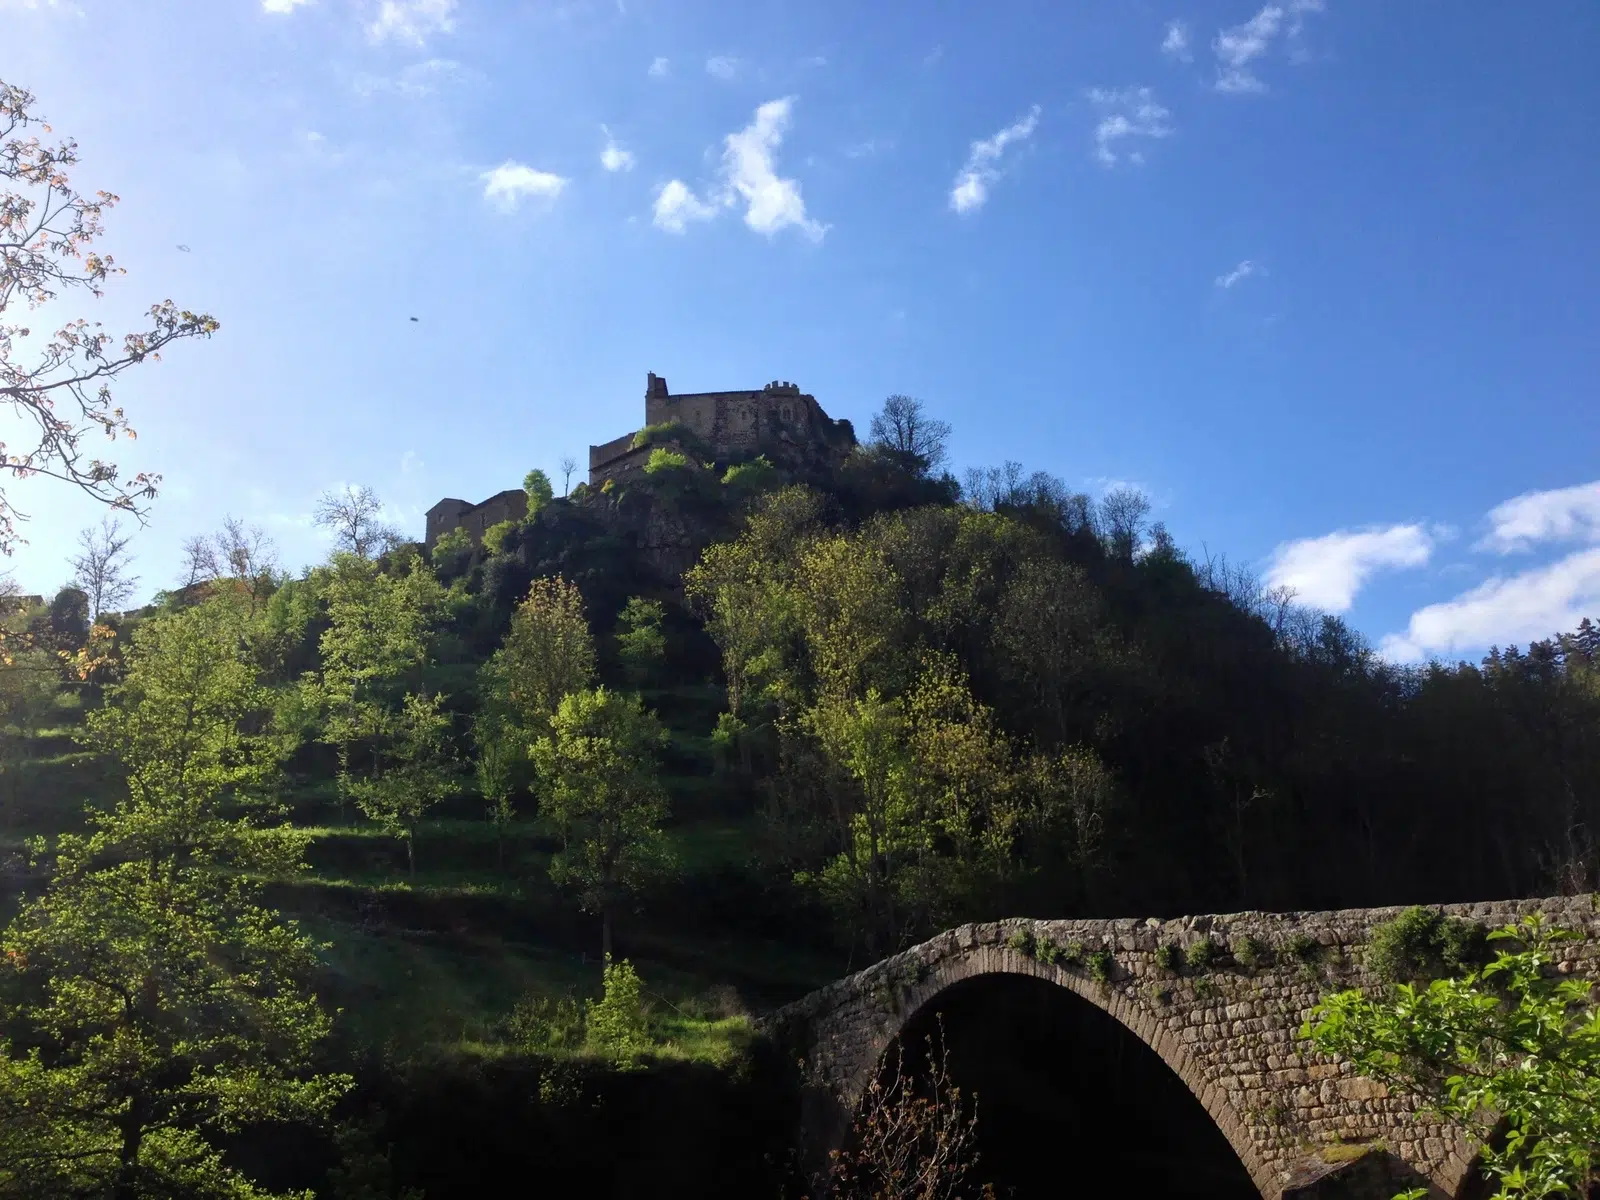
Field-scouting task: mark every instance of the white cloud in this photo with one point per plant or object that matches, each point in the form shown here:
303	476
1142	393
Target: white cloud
1522	608
1241	45
659	67
1127	112
613	157
1239	274
1176	43
971	188
676	206
722	67
1560	515
412	21
815	60
509	184
282	6
750	173
1327	572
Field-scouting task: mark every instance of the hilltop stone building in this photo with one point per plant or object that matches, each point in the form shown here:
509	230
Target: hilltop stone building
778	420
449	513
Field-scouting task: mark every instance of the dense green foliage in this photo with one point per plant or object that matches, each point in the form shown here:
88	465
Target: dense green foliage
156	1005
1511	1051
762	724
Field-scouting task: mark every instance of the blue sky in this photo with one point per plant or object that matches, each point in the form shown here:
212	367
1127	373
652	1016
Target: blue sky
1320	277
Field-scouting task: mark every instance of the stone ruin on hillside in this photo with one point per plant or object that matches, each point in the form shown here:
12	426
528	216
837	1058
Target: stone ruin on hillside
779	421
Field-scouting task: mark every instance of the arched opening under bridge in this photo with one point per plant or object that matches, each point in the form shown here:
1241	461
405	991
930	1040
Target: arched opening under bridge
1070	1102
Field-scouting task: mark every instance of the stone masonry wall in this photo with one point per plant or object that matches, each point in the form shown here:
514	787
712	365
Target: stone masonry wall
1230	1032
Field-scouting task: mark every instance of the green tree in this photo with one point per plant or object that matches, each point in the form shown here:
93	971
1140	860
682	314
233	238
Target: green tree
47	230
597	769
392	736
615	1023
501	768
160	1006
641	643
1513	1047
451	553
548	653
537	485
497	535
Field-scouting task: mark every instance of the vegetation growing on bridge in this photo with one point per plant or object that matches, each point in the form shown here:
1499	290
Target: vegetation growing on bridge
1510	1049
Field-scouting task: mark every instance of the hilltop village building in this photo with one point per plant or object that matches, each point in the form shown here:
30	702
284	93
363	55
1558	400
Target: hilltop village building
778	420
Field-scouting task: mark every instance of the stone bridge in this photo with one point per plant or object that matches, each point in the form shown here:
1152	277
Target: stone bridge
1301	1125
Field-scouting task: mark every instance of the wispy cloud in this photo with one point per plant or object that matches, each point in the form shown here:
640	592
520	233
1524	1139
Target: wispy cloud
1176	43
412	21
1328	571
1241	45
613	157
417	81
1569	514
749	175
511	183
659	67
722	66
814	60
1534	604
1239	274
869	148
970	191
282	6
1127	113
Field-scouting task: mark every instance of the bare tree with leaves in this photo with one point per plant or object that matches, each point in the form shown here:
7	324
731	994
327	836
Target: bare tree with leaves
355	514
912	1138
904	427
59	390
100	568
568	466
199	563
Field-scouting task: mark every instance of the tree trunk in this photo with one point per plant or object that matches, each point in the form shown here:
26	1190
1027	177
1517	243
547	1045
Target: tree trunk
605	932
411	855
132	1129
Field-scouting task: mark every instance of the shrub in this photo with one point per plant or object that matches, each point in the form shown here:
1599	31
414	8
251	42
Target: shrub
1021	940
1422	944
672	433
1303	947
616	1021
1100	964
1249	952
749	478
545	1023
1072	953
1204	990
1200	954
1046	951
452	553
1167	957
663	459
496	536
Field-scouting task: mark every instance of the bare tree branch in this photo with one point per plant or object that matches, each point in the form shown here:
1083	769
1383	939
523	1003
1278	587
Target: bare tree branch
100	569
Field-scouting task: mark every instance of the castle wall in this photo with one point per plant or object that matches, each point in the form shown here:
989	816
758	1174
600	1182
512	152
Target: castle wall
474	519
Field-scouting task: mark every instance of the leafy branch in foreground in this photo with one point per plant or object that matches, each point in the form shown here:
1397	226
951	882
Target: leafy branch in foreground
63	391
1512	1052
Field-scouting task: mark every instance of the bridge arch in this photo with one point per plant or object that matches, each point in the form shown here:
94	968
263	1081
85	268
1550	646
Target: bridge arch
1301	1124
1003	960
